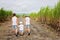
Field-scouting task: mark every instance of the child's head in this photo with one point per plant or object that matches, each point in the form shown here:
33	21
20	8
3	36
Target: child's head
14	14
20	22
26	16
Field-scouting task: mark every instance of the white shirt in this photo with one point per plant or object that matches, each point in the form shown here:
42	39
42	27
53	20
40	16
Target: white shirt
21	27
27	19
14	19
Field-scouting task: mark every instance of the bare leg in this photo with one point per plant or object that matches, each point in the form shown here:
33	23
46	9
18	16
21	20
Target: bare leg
28	31
16	32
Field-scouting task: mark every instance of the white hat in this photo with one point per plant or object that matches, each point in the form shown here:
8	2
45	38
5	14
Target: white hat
20	22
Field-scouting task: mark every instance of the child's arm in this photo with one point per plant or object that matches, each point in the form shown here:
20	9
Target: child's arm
17	21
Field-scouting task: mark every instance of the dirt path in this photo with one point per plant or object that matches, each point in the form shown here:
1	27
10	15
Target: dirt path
38	32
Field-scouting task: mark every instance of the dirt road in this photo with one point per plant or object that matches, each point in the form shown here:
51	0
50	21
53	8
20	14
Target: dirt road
38	32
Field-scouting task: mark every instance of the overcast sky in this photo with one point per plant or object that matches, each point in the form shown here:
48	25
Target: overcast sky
26	6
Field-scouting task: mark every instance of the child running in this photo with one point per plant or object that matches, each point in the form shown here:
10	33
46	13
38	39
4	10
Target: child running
21	28
14	23
27	21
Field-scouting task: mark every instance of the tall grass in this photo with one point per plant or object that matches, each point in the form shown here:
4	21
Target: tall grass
5	15
50	16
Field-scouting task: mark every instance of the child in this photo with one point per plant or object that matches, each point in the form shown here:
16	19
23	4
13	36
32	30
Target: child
21	28
27	21
14	23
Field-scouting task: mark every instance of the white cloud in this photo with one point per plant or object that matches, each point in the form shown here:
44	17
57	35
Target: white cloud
27	6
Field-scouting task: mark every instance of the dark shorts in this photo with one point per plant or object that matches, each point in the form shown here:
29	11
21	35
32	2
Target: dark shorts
27	26
14	26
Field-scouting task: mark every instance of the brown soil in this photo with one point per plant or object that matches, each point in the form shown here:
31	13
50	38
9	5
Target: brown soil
38	32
